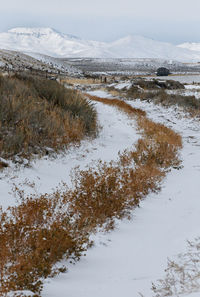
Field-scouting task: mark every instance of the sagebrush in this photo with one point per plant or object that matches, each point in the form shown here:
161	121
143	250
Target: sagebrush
36	114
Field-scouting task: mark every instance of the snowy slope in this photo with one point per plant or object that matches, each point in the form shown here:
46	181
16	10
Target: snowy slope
51	42
194	46
16	61
141	47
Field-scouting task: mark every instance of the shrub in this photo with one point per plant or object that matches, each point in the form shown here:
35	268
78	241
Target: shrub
155	84
67	99
189	103
36	113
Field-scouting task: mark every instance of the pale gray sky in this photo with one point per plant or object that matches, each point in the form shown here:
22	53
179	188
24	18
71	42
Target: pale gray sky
171	20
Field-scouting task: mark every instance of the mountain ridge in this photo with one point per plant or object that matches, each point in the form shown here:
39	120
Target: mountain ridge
193	46
39	31
51	42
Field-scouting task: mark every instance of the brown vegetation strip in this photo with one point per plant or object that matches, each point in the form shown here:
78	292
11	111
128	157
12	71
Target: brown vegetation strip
122	105
43	230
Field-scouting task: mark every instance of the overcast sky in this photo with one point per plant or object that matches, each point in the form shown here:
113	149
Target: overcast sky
175	21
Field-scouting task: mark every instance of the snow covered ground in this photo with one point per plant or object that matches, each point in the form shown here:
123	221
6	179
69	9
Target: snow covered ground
131	66
192	90
192	87
185	79
126	261
16	61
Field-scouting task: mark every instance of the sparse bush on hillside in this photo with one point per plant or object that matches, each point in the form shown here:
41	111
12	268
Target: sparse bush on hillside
157	84
156	91
68	99
189	103
36	113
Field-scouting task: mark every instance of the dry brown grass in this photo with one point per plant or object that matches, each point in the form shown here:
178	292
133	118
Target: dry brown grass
80	81
36	114
122	105
33	237
42	230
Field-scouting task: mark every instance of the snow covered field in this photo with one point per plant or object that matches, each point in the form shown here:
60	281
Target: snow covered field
185	79
127	260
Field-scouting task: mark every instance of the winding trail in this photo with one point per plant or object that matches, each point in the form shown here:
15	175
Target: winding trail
127	260
117	132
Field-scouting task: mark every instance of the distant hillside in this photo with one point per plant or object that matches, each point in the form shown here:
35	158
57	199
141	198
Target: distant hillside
53	43
194	46
17	61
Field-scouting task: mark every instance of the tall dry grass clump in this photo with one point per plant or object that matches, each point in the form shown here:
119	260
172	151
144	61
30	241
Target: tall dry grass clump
36	114
35	235
67	99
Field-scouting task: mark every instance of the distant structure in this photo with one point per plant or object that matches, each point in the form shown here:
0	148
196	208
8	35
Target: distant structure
162	71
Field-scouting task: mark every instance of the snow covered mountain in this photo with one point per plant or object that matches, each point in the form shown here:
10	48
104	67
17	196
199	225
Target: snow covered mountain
53	43
141	47
50	42
194	46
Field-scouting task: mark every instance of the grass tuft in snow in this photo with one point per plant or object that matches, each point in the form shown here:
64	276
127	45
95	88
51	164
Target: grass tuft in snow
182	274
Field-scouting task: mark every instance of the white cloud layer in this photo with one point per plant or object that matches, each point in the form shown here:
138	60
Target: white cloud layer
170	20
